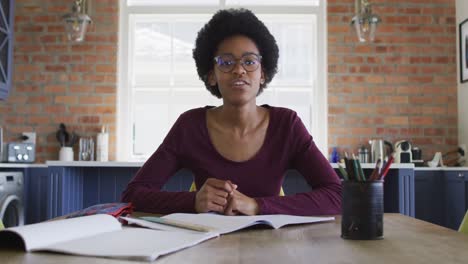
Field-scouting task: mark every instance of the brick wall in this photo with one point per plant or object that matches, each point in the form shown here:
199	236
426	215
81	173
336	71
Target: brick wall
56	81
403	86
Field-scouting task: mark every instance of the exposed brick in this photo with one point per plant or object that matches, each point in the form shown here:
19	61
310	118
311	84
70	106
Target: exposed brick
89	119
63	99
402	86
412	80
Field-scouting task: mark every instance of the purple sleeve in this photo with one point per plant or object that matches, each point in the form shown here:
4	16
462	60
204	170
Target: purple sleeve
325	197
144	190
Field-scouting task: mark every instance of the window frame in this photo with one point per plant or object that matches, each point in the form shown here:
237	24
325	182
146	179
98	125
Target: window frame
319	99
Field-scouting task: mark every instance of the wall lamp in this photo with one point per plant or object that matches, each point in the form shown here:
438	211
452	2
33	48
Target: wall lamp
365	22
77	21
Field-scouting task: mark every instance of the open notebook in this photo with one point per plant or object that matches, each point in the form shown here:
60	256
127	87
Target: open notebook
100	236
222	224
103	236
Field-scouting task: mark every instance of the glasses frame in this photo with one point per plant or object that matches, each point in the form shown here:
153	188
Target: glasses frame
259	58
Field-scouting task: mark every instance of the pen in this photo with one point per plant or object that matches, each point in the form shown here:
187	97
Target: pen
177	223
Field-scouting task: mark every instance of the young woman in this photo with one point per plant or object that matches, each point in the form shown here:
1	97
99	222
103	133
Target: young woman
239	151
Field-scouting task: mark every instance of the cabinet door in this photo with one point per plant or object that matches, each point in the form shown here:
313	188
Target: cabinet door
6	46
428	196
35	195
455	206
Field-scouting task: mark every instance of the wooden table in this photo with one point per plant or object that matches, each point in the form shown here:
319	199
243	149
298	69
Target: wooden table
406	240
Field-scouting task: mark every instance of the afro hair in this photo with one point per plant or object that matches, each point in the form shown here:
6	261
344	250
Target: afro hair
227	23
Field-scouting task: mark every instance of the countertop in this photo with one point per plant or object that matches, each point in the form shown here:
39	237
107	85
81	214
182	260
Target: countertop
137	164
56	163
23	165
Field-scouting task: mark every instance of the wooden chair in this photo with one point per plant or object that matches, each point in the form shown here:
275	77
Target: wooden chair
464	224
193	188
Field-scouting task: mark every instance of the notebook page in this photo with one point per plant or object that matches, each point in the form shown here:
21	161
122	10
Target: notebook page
225	224
47	233
131	243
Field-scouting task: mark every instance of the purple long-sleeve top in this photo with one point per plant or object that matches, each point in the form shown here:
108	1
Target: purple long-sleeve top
287	145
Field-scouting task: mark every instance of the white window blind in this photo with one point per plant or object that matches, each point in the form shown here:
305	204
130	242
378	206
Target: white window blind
158	79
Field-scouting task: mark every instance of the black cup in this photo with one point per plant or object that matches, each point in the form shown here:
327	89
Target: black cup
362	210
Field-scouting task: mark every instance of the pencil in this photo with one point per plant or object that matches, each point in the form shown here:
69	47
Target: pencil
177	223
355	167
343	172
361	172
386	168
349	169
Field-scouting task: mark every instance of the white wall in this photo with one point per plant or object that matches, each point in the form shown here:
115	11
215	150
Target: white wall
462	14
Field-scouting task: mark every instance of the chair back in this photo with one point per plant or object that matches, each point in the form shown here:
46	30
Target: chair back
464	224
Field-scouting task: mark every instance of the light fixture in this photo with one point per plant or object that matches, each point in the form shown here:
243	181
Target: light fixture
364	22
77	22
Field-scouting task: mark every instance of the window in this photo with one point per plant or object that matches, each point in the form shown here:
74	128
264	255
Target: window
158	80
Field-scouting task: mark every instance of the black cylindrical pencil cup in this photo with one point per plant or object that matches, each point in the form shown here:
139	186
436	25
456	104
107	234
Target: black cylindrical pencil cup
362	210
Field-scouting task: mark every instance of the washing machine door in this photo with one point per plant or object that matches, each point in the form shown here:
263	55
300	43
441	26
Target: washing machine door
11	211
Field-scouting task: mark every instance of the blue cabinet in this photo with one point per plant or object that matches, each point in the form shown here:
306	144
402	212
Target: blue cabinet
455	204
6	46
441	196
429	196
35	194
68	189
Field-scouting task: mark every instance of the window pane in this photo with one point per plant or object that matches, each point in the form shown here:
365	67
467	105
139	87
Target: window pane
297	41
185	71
274	2
151	121
151	52
163	50
172	2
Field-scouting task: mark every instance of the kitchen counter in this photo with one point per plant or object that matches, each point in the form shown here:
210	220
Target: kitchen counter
372	165
137	164
56	163
440	168
23	165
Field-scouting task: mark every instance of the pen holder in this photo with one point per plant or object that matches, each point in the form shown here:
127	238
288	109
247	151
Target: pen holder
362	210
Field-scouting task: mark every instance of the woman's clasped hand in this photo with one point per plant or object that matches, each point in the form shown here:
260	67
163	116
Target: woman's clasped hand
223	197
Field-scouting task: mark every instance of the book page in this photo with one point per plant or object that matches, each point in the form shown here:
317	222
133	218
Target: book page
131	243
152	225
225	224
46	233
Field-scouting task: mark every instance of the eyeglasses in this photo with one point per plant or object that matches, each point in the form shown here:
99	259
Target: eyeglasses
227	62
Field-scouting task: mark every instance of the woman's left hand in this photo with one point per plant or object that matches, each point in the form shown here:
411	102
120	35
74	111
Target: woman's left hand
238	203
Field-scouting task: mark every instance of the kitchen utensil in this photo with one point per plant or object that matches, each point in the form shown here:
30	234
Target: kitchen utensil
380	149
363	154
86	149
62	135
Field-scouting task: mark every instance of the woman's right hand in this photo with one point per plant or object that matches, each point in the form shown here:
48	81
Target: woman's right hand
213	195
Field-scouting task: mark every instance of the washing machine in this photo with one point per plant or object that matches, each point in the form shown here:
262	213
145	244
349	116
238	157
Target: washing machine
11	198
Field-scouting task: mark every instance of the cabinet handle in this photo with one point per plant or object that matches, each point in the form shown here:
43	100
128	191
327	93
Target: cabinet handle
461	175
